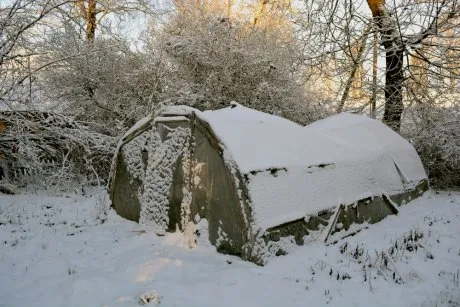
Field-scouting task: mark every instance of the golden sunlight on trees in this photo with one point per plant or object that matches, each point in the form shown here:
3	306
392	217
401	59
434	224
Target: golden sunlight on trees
220	54
261	13
376	6
397	44
89	15
271	13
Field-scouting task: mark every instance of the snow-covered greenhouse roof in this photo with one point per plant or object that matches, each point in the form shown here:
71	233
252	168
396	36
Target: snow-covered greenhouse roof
294	171
371	136
258	141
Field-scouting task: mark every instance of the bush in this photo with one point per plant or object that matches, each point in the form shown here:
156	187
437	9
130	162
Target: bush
53	149
216	59
435	135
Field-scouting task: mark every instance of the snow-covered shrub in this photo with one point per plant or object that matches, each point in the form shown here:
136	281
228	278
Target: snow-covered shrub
217	59
105	82
53	149
435	133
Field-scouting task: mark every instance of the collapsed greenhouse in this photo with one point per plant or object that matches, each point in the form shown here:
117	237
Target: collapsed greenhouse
262	183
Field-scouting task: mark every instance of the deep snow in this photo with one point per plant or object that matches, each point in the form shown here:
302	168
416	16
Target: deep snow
64	251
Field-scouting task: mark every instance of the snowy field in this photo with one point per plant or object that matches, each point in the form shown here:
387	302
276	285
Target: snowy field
65	251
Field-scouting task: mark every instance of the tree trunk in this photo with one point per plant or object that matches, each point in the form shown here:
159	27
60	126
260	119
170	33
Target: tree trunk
229	8
91	21
394	78
394	54
89	13
356	64
373	101
260	10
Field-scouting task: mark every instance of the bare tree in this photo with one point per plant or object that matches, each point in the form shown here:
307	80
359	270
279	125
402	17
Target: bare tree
17	21
405	28
396	43
29	138
90	15
335	47
107	82
356	65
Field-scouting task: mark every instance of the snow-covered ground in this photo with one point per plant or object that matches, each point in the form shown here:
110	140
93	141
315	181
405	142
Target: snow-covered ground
64	251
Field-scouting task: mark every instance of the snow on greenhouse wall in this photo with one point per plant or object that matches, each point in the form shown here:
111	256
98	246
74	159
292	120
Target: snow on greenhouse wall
185	207
160	169
158	162
132	152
